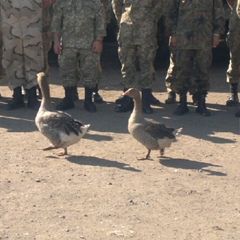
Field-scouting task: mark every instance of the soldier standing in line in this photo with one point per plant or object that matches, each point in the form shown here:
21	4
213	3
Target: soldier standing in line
171	77
96	96
23	52
233	42
195	27
137	22
80	25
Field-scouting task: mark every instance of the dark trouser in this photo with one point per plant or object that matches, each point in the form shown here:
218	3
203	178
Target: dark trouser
202	59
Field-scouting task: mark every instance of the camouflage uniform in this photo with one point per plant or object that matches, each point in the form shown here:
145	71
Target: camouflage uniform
107	15
233	42
78	23
74	21
137	38
194	23
23	53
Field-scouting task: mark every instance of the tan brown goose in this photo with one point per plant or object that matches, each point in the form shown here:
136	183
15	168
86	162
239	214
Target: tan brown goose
151	134
61	129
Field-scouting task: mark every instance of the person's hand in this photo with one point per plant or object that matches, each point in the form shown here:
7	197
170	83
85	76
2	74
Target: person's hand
97	46
216	40
57	47
173	41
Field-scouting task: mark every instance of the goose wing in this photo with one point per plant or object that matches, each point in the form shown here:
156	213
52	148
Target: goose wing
158	130
61	122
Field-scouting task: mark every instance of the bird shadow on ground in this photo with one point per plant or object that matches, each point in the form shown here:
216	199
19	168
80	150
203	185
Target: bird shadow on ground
97	137
94	161
191	165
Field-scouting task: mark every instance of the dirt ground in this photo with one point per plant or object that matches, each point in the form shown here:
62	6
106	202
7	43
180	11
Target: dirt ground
100	191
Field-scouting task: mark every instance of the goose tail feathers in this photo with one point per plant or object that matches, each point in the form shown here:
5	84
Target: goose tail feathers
84	128
177	132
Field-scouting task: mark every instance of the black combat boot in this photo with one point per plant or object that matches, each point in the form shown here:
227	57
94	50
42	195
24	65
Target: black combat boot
67	102
171	98
202	109
17	100
154	101
182	107
233	99
125	103
33	102
122	97
146	97
88	103
96	96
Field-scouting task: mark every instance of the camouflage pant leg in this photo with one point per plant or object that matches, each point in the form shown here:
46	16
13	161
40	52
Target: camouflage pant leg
22	65
192	63
80	75
90	67
47	43
201	66
172	72
68	63
233	71
145	54
127	55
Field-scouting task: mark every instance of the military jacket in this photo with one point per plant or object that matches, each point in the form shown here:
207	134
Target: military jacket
137	19
79	22
194	22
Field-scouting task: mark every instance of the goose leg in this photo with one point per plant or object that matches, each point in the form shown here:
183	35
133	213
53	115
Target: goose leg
161	152
147	156
63	153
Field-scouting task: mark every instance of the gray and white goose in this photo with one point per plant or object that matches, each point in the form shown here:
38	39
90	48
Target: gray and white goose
151	134
61	129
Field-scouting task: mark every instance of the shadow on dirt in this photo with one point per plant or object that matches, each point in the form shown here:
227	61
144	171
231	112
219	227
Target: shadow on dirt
95	161
191	165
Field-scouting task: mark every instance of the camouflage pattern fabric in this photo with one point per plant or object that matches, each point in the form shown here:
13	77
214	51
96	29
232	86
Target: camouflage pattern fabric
69	66
46	36
107	14
79	23
238	8
22	40
171	76
137	38
194	23
233	42
107	10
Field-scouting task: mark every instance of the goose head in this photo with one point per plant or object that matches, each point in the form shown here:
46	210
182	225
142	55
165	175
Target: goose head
133	93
